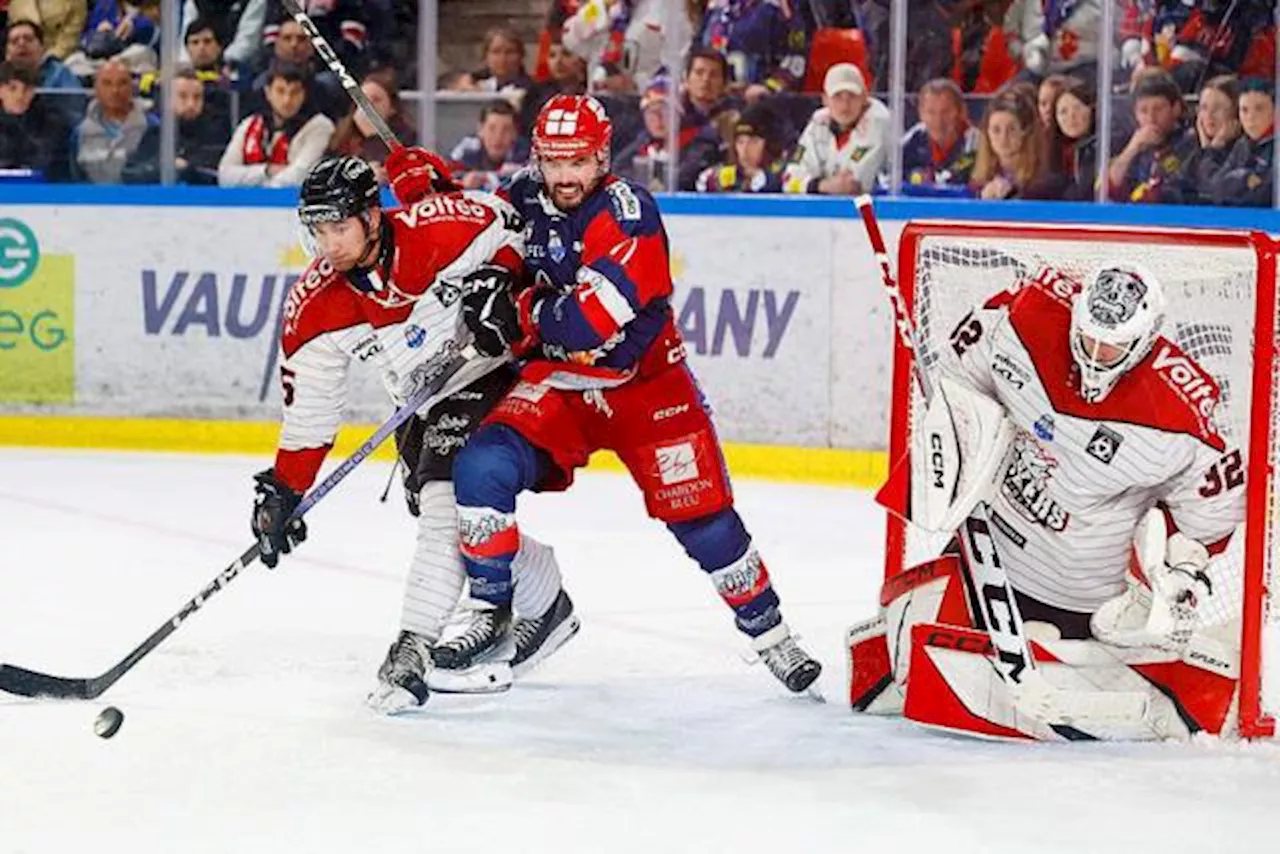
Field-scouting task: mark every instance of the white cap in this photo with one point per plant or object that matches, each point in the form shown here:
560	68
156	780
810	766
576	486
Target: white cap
844	77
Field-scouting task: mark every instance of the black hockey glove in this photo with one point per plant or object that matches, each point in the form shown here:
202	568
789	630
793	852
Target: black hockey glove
270	521
489	310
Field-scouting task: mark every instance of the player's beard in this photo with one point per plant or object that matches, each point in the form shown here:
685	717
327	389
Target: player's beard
567	195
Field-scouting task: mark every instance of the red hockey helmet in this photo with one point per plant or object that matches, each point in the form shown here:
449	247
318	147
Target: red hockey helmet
572	126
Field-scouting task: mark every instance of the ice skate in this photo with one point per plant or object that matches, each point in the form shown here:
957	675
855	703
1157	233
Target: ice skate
537	638
794	667
401	678
487	638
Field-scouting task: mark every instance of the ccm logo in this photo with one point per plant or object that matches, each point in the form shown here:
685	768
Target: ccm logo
936	463
670	411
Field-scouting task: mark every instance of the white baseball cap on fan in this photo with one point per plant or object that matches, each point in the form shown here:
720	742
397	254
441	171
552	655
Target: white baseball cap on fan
844	77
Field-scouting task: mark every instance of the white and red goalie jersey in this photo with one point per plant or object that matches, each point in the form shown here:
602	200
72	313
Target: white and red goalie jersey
1083	474
404	318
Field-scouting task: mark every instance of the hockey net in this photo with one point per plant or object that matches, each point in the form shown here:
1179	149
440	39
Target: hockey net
1221	290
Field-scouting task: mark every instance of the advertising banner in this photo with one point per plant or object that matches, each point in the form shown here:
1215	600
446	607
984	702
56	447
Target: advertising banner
176	313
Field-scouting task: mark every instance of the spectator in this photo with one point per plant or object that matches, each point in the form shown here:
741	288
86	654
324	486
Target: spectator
292	47
939	151
484	161
1210	37
1246	178
1055	38
1076	137
59	24
113	126
567	75
1047	98
278	145
202	137
1012	158
211	65
645	158
503	56
117	30
756	163
1215	133
24	47
842	149
622	40
33	134
706	82
764	41
342	23
1150	163
356	137
238	23
457	81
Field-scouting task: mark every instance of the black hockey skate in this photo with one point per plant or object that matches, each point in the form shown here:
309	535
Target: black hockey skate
539	637
794	667
401	677
488	637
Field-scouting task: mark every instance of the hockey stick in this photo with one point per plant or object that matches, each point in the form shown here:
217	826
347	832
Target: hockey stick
29	683
349	83
991	594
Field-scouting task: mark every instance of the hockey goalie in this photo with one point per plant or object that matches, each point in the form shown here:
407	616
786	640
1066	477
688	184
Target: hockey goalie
1072	451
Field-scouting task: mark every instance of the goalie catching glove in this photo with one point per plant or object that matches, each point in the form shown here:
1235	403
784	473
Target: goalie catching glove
277	534
1166	614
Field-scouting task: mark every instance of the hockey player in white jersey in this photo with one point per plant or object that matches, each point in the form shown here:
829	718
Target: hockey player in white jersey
403	290
1061	408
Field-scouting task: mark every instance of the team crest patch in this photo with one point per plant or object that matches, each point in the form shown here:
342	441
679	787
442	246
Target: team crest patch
1044	427
1104	444
555	247
446	292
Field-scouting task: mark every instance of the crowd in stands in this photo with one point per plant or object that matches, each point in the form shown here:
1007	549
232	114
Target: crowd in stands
768	96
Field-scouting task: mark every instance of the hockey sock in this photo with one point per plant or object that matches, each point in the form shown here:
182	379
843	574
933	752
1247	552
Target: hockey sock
722	547
495	466
536	574
436	573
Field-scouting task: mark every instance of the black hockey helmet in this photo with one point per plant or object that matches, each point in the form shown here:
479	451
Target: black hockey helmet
337	188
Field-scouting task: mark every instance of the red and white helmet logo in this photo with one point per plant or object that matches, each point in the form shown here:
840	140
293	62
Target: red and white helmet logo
572	126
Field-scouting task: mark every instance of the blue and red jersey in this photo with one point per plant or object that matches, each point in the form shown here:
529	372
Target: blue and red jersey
606	271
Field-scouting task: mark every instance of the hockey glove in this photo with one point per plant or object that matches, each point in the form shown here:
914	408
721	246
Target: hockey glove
491	313
415	173
276	533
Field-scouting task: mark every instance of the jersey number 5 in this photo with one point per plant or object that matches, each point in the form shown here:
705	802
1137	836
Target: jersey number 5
286	383
1226	474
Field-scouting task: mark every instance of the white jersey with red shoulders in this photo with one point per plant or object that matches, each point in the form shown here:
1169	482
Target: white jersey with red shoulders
607	265
1083	474
403	316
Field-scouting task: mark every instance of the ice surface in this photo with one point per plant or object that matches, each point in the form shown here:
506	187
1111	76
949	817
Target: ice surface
246	731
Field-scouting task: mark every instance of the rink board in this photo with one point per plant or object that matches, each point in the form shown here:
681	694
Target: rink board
148	318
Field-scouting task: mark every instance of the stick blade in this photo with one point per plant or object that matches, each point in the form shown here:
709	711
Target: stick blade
29	683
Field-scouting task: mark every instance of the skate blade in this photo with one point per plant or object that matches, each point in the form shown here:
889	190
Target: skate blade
492	677
559	636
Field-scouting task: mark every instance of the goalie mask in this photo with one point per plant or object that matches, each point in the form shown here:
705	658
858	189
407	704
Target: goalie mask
1114	322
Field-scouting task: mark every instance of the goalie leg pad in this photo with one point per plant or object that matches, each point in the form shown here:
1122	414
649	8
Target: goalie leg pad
954	686
871	686
931	592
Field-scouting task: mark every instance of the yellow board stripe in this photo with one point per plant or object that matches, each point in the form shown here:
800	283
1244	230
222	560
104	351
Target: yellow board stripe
835	466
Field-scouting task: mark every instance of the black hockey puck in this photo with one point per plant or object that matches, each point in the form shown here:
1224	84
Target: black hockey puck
108	722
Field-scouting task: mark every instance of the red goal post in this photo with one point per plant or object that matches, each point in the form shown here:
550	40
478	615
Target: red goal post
1221	289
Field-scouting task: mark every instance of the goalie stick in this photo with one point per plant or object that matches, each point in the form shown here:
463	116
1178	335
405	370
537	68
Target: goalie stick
995	607
30	683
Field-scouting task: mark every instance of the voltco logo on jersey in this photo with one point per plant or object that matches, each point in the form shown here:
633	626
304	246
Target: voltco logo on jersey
1026	484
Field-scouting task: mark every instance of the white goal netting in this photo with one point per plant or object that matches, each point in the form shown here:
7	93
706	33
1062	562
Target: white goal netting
1212	281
